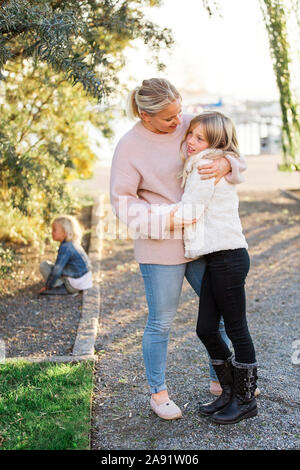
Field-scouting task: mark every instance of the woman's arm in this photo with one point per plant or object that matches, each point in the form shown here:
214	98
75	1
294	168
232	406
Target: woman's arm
228	166
142	219
238	165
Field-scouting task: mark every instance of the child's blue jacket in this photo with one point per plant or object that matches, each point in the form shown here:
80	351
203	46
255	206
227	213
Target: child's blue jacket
71	261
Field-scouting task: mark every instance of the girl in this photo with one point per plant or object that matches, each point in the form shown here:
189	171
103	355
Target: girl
144	172
71	272
218	237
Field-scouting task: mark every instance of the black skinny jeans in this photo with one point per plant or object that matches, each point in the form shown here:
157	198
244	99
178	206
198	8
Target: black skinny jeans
223	293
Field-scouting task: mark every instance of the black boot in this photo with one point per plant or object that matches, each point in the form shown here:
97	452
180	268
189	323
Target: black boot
242	404
224	371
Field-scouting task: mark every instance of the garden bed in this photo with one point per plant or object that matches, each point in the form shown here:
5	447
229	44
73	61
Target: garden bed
35	325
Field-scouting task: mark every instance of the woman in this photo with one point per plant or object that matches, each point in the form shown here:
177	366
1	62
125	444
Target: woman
144	173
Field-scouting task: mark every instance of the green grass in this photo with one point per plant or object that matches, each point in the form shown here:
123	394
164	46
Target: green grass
45	406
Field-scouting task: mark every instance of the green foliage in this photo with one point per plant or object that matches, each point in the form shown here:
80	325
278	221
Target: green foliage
7	259
289	167
77	37
275	15
44	119
54	57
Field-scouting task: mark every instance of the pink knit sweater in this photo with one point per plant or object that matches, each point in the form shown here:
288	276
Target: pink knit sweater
144	172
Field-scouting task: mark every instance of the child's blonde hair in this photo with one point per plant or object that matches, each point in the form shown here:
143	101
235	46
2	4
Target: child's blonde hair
71	227
151	97
218	130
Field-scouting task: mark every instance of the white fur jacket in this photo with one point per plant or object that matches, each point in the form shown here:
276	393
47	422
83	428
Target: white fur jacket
218	225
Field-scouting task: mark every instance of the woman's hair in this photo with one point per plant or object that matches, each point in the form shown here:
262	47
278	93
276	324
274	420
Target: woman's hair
71	227
218	130
152	97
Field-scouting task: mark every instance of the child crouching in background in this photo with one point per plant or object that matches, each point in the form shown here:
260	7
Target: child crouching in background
71	272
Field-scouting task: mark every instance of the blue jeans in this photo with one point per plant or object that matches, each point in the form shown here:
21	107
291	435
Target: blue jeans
163	284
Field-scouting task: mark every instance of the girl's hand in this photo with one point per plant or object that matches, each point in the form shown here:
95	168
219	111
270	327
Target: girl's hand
217	169
42	289
178	223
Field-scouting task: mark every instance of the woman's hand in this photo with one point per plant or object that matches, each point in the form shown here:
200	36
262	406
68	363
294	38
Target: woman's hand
42	289
217	169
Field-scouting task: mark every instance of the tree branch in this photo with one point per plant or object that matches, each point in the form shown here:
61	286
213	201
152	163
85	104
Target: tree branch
34	116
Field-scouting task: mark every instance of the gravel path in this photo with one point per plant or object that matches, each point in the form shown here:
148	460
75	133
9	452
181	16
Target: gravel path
122	418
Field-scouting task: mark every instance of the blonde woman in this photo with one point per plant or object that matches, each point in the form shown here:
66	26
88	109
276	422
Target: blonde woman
218	237
144	173
71	272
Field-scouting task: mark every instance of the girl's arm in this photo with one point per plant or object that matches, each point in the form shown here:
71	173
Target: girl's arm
63	257
195	199
197	194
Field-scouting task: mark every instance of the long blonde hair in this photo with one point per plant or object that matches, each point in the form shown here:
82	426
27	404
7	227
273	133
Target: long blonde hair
152	97
218	130
71	227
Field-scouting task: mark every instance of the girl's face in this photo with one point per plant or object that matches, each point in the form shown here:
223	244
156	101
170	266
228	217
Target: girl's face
195	141
166	121
58	233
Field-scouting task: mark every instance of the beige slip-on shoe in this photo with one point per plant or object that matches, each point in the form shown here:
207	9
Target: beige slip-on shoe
167	410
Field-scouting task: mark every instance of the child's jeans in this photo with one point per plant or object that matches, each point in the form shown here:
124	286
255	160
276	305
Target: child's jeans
223	290
45	269
194	275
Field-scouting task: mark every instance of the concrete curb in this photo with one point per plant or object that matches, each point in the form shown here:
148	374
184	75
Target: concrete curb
88	325
83	349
